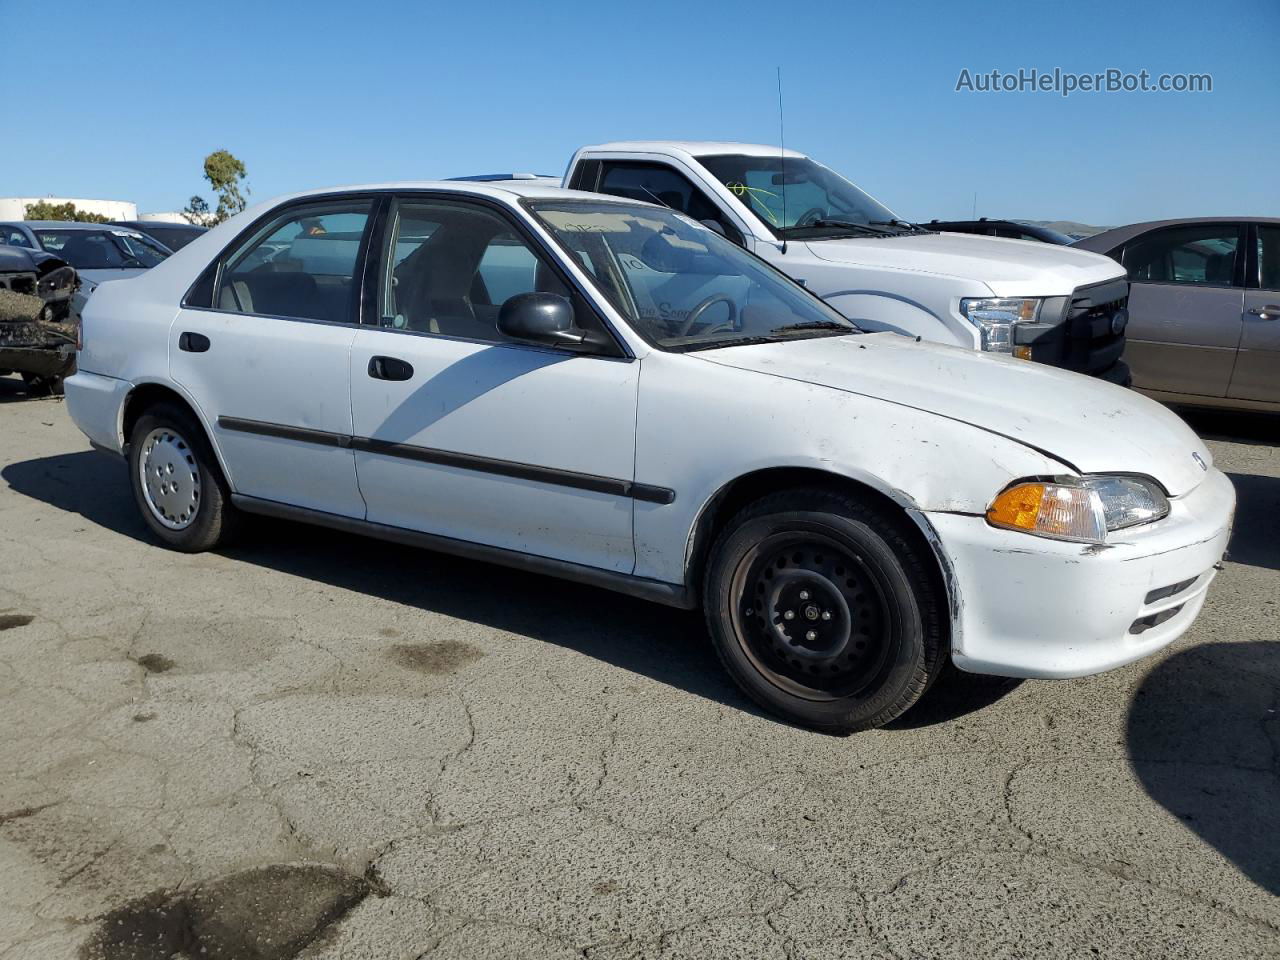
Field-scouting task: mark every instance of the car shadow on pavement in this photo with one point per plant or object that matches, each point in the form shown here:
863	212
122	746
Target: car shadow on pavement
1233	426
1203	737
953	695
13	390
667	645
1255	536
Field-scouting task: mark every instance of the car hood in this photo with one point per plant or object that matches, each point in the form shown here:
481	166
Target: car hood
96	277
1087	424
1011	268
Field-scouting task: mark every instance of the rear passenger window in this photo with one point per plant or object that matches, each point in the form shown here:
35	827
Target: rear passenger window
302	265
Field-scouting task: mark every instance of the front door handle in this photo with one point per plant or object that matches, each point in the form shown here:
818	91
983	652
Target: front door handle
193	342
1269	312
389	368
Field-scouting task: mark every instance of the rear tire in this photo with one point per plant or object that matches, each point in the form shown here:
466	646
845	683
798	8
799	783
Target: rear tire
177	483
824	610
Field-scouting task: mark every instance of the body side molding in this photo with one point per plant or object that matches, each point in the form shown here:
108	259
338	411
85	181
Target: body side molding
465	461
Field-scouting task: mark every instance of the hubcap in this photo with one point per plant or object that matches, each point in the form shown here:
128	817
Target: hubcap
170	478
812	615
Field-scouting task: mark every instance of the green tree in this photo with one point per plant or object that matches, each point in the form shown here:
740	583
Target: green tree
197	212
225	174
44	210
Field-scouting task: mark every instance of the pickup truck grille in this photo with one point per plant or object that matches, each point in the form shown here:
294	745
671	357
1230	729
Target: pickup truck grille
1084	338
1093	345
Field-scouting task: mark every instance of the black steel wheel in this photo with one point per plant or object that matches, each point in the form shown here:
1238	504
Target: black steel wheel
824	608
813	617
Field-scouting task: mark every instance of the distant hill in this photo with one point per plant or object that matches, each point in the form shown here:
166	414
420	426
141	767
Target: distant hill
1069	227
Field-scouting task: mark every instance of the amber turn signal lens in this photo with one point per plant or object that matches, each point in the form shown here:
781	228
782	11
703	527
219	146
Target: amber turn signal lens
1018	507
1022	352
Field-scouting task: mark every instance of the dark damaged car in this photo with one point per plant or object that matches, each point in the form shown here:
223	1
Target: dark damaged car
37	327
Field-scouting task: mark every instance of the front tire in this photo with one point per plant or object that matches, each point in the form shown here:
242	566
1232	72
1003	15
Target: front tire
823	609
177	483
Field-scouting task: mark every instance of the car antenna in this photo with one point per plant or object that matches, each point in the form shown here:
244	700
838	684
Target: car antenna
782	143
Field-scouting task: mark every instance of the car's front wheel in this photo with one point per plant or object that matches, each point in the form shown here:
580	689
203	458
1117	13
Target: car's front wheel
823	608
177	483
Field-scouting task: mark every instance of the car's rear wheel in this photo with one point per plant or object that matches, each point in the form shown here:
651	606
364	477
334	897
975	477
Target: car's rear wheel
176	481
824	610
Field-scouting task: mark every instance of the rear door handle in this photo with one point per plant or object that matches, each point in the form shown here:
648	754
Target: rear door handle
1269	312
193	342
389	368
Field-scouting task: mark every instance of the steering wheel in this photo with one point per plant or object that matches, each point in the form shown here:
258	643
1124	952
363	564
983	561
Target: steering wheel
696	313
811	216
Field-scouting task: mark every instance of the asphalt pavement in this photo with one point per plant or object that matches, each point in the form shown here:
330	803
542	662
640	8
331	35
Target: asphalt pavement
314	745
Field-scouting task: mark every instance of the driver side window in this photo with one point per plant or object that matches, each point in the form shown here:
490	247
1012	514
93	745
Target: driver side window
448	267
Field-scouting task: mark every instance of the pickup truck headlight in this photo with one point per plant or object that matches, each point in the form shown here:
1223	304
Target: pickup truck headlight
995	318
1083	510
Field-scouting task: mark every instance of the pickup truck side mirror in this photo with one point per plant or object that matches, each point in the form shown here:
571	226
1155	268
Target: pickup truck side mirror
545	318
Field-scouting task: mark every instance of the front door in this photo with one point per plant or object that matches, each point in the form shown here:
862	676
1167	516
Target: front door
1257	374
462	433
1185	302
267	355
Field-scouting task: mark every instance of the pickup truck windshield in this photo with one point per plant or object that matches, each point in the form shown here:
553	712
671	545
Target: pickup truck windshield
680	285
819	202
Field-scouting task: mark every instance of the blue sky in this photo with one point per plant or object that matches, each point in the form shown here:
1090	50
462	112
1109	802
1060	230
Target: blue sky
126	104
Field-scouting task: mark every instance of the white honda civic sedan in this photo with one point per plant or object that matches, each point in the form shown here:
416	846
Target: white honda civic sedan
609	392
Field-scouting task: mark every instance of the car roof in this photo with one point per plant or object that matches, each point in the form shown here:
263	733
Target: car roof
1117	235
992	222
144	225
58	224
497	190
696	148
980	222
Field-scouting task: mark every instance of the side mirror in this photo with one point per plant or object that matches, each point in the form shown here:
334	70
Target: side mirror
714	225
545	318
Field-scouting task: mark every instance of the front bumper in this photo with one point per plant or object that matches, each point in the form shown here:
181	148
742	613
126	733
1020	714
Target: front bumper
1026	606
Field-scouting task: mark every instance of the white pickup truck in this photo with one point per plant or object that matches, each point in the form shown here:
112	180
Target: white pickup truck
1055	305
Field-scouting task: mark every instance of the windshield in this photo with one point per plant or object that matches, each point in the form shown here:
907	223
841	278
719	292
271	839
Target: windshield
815	197
103	249
680	285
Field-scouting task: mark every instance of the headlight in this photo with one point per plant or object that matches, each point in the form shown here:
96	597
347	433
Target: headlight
57	284
995	318
1081	510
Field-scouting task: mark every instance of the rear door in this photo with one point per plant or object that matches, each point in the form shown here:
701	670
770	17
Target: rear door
1257	373
1185	300
263	345
463	433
